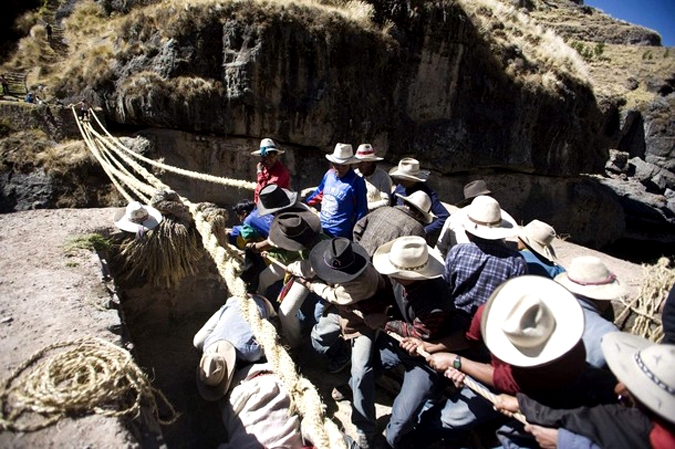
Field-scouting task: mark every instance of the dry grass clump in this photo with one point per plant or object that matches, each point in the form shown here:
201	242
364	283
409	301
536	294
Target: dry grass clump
33	52
530	52
644	312
19	150
61	159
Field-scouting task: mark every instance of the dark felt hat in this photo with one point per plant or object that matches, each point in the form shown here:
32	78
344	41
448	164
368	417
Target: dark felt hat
338	260
294	231
472	190
273	198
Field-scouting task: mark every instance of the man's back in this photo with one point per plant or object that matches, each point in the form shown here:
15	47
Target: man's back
384	225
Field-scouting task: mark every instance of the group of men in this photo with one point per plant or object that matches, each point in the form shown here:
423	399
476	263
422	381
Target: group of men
395	279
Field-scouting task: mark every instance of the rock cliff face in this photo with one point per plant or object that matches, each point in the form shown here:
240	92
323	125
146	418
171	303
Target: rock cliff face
432	87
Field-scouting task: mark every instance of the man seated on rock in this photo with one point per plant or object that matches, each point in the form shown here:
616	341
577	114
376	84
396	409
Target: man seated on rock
410	179
595	287
389	223
378	182
534	244
341	194
474	270
453	231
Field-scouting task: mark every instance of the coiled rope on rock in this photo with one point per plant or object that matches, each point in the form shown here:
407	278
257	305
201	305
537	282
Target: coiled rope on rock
88	375
113	155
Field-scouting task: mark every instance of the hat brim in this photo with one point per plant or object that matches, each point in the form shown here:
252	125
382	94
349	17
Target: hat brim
428	216
603	292
292	199
507	227
433	269
270	150
154	218
467	201
332	276
547	252
569	317
348	161
619	349
369	158
423	175
279	239
215	392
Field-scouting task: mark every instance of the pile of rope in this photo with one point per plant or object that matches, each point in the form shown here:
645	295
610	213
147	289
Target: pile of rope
120	163
644	310
87	376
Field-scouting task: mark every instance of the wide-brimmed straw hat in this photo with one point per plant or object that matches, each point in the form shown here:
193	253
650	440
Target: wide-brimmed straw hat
472	190
537	236
421	202
338	260
408	257
343	154
645	368
138	216
366	153
216	369
485	219
273	198
267	146
294	231
409	168
530	320
588	276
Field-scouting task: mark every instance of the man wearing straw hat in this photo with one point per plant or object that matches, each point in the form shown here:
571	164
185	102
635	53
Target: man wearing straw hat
595	287
534	244
427	316
378	182
411	178
474	270
532	328
646	382
389	223
341	193
270	170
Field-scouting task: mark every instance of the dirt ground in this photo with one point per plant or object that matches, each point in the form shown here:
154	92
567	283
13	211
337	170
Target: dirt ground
49	295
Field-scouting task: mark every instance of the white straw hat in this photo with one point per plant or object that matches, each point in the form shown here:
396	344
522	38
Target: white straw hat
408	257
267	145
537	236
588	276
485	219
343	154
645	368
409	168
366	153
138	217
216	369
421	202
531	320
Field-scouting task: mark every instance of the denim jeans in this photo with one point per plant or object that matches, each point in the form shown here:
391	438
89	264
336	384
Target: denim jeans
420	384
326	332
362	383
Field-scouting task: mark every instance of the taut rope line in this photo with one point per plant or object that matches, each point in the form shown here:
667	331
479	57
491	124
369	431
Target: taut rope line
322	431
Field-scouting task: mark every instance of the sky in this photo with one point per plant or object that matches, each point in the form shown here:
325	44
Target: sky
658	15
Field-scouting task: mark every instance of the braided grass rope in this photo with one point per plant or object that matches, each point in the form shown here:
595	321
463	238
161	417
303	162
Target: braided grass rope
305	399
645	308
89	375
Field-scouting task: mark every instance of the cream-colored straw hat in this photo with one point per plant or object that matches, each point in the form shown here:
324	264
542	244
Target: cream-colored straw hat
366	153
421	202
531	320
138	217
588	276
537	236
485	219
267	146
645	368
409	168
343	154
408	257
216	369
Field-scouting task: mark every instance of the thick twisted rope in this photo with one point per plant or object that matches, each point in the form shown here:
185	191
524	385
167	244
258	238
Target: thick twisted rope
323	432
89	375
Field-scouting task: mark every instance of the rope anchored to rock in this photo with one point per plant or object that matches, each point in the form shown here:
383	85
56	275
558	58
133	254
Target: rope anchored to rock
89	375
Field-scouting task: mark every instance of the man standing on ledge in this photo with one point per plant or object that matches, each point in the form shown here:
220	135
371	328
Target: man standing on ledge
342	194
270	170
